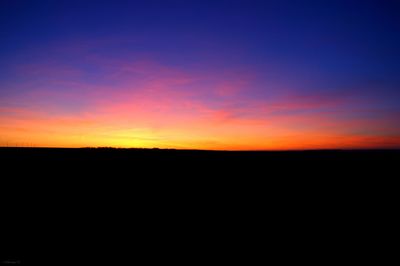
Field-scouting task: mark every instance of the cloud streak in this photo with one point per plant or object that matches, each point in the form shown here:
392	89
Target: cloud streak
106	101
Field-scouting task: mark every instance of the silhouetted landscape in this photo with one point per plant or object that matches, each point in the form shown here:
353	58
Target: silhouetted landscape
54	195
118	163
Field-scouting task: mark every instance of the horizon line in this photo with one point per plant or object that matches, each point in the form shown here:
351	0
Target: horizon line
214	150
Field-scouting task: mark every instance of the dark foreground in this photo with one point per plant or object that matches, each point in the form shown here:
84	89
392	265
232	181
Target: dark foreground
58	204
43	161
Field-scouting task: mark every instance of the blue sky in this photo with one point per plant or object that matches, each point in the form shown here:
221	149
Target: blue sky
310	61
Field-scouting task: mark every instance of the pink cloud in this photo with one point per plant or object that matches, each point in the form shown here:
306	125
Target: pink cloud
164	105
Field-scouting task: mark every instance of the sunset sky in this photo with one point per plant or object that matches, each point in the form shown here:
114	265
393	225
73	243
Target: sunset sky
232	75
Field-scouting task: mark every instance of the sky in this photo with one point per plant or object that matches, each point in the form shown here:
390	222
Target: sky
220	75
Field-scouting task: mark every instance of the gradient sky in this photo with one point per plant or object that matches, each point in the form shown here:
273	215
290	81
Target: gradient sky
200	74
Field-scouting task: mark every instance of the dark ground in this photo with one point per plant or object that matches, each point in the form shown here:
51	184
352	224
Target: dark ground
126	202
158	162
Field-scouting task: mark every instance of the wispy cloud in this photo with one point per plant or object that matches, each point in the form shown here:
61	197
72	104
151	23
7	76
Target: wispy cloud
148	103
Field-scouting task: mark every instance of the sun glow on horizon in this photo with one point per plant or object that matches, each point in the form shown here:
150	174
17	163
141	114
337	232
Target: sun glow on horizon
243	75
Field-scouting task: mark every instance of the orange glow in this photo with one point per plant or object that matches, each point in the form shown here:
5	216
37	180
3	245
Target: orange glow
166	108
131	126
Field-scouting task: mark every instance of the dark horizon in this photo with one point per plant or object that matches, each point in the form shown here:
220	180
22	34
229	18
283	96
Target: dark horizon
211	150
